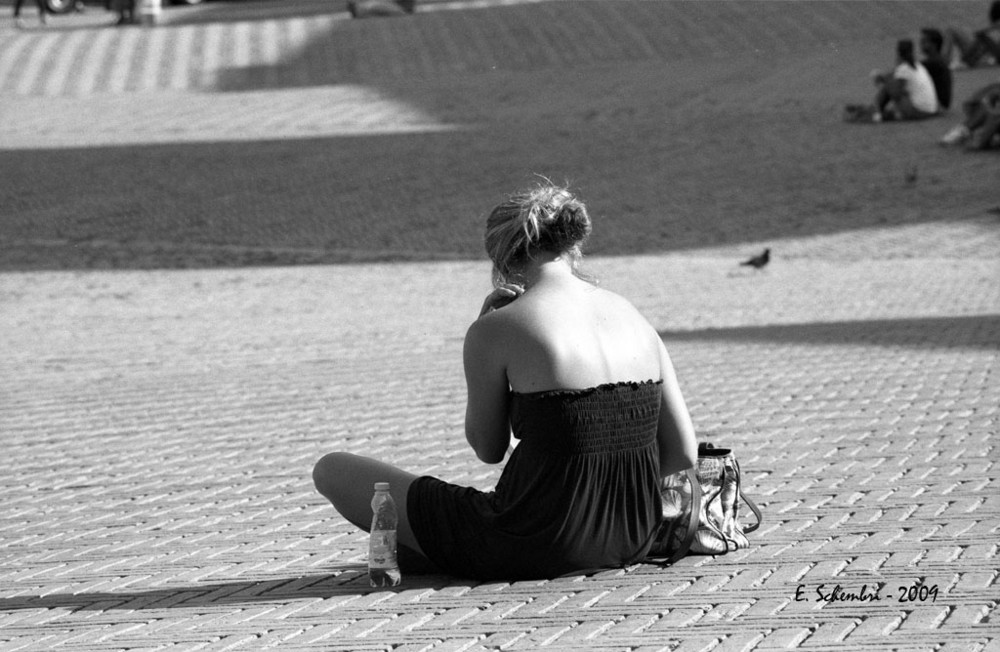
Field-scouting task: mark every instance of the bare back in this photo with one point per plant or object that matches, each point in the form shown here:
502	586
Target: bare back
569	334
563	333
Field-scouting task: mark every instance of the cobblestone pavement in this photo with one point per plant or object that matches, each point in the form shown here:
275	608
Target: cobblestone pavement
160	426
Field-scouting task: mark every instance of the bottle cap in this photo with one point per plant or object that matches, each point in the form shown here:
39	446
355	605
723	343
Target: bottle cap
381	486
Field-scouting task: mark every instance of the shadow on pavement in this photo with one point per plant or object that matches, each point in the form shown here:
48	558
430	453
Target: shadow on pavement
233	11
424	197
967	332
461	37
673	143
349	580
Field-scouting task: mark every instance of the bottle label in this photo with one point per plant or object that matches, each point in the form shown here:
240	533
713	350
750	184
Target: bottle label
382	549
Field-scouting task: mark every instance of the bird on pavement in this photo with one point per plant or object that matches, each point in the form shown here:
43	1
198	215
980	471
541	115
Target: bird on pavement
758	262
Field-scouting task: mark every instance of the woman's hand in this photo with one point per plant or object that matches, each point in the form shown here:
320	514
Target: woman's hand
500	297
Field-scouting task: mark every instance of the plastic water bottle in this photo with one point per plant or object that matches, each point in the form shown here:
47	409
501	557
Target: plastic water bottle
383	567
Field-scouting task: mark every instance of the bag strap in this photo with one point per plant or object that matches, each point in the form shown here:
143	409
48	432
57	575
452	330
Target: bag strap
756	512
697	499
750	503
693	520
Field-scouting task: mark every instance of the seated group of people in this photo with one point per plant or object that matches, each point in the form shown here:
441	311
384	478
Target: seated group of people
915	90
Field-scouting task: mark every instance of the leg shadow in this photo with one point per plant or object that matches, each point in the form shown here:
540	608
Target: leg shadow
346	580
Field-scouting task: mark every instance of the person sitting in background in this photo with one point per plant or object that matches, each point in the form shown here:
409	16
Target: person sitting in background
931	44
979	48
907	93
981	128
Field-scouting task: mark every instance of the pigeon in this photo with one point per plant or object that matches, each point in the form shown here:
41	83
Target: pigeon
758	262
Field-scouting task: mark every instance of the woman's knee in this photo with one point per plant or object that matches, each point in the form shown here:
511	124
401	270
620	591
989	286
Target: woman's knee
329	469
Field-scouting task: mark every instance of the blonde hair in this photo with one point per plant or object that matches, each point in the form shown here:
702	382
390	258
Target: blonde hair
546	219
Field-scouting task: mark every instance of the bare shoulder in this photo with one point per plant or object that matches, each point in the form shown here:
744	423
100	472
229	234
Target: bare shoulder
481	330
620	306
615	298
629	320
494	328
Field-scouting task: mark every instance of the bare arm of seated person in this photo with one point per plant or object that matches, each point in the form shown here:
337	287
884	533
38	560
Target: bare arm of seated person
675	432
487	420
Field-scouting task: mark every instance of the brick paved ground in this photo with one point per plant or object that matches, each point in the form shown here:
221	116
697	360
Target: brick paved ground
159	425
160	428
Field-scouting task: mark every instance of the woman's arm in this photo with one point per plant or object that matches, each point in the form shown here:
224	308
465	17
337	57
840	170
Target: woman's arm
487	418
675	432
500	297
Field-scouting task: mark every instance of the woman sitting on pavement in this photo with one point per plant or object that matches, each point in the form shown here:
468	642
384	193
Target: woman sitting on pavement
907	93
586	386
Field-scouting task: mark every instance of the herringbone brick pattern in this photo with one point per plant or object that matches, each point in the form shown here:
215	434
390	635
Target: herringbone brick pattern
160	428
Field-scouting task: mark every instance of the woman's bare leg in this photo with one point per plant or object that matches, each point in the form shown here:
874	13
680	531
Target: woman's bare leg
348	481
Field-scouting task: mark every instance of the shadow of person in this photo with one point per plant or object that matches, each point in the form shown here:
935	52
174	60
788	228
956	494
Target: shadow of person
343	581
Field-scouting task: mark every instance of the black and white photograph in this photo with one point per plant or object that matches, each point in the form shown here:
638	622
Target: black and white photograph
500	325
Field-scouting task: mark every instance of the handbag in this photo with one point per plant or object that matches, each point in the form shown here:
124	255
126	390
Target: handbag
701	509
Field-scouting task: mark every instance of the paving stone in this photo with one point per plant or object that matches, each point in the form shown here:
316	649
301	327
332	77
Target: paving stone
783	639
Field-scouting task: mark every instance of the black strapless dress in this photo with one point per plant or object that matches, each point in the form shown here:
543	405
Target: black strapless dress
580	491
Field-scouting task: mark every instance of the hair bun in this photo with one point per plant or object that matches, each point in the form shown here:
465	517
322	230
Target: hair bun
568	225
547	218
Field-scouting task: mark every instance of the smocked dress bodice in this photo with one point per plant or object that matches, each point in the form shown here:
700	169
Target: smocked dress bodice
580	490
